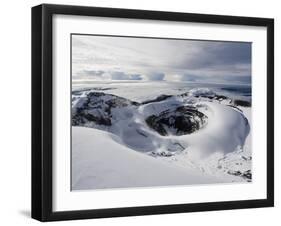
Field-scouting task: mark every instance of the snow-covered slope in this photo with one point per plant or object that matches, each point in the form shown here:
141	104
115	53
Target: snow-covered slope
99	162
198	131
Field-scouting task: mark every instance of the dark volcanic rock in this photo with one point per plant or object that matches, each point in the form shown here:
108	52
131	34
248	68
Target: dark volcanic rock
179	121
220	97
246	175
242	103
213	96
97	107
157	99
234	173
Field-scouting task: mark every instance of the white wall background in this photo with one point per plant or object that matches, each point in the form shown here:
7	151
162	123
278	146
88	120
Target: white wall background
15	85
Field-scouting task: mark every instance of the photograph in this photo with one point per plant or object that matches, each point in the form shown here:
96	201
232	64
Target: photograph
149	111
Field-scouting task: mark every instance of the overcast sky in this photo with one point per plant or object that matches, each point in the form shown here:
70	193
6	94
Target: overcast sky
119	58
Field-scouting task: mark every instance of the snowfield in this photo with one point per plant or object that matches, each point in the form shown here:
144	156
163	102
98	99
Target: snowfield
180	137
116	166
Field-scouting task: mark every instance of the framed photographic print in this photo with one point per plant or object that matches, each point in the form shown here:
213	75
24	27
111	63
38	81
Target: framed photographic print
145	112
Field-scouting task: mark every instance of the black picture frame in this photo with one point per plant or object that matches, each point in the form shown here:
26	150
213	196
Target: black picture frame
42	107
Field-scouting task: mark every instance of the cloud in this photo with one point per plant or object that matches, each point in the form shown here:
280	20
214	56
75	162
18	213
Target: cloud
239	79
93	72
190	77
121	58
242	79
135	77
216	54
107	75
155	76
117	75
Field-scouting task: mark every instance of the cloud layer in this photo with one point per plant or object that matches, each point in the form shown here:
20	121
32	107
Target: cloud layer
121	58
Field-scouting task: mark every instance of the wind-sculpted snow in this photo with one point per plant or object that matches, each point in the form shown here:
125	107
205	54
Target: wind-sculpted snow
199	129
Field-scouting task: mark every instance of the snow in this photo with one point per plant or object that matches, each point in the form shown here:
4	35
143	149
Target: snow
142	91
222	146
130	154
100	162
202	92
226	130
